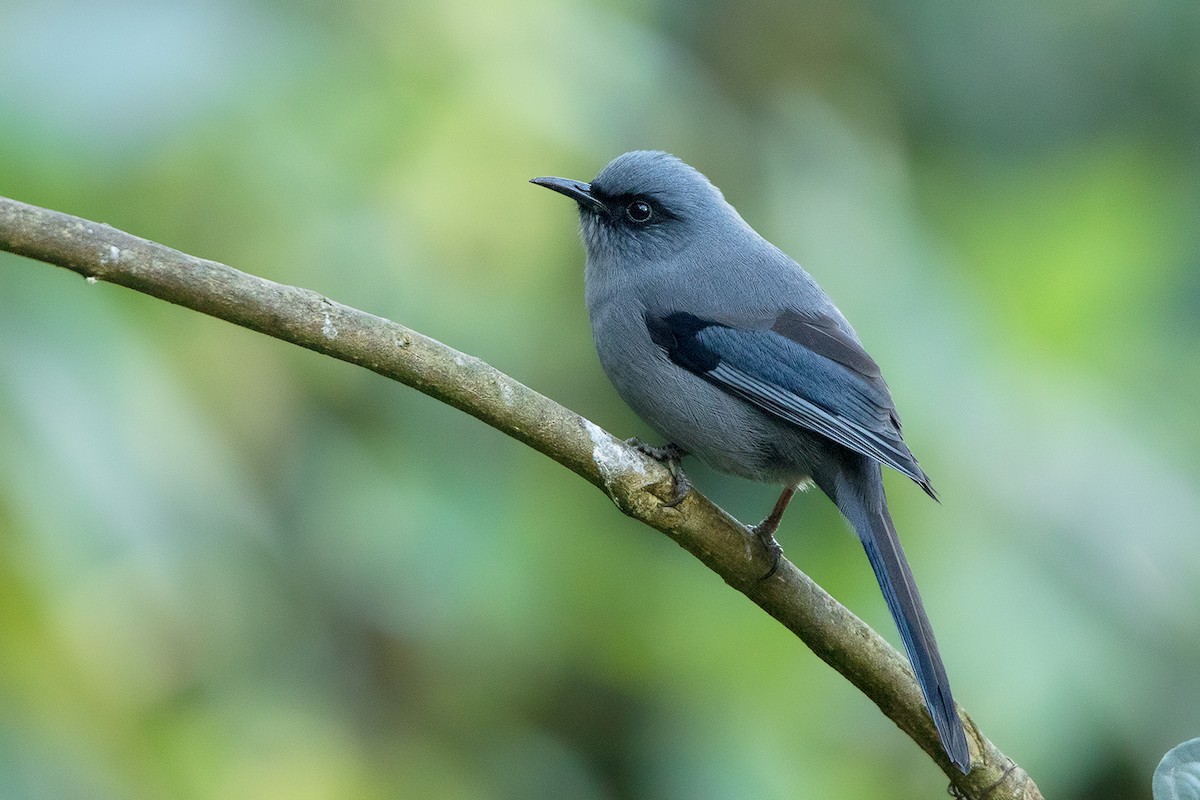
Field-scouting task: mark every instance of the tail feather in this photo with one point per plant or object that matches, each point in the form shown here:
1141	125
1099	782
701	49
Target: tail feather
873	523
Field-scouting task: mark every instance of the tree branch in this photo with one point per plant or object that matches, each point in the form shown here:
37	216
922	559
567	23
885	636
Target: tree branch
638	485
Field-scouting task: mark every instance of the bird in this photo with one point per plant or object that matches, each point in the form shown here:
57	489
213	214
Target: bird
729	349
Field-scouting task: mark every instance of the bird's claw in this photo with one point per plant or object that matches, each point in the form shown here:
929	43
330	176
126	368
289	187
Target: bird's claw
766	537
683	485
668	452
668	455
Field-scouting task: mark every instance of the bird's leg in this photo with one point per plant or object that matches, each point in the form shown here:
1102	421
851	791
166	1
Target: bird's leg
668	455
765	530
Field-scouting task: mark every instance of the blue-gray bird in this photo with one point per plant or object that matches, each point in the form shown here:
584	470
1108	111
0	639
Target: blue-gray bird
729	349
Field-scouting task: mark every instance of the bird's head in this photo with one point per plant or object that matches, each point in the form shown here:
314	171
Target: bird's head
645	204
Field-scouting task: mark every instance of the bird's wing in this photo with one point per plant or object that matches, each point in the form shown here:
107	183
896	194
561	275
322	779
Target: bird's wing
803	368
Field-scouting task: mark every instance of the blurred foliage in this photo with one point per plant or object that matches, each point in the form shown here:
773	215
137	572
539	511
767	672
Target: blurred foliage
232	568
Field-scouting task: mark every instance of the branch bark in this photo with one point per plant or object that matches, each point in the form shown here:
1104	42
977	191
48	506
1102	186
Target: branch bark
636	484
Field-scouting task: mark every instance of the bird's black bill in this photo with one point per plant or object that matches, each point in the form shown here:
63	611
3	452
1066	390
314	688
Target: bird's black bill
578	191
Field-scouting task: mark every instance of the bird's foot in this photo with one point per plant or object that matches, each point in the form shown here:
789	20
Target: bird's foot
765	533
668	455
765	530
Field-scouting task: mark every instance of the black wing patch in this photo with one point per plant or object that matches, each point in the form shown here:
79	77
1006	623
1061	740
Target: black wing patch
805	370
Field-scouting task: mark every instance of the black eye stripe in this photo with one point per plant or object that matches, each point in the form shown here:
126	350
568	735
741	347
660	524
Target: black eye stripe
619	204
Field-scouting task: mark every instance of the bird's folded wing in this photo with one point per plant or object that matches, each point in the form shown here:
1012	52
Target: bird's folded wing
801	368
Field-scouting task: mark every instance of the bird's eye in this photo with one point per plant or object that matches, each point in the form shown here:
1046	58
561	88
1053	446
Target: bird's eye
639	211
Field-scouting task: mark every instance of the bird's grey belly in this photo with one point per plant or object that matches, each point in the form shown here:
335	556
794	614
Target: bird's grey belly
724	431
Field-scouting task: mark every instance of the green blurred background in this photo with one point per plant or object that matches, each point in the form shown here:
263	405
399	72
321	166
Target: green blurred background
233	568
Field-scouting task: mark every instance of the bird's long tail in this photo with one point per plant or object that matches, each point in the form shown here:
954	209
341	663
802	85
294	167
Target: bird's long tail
867	512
